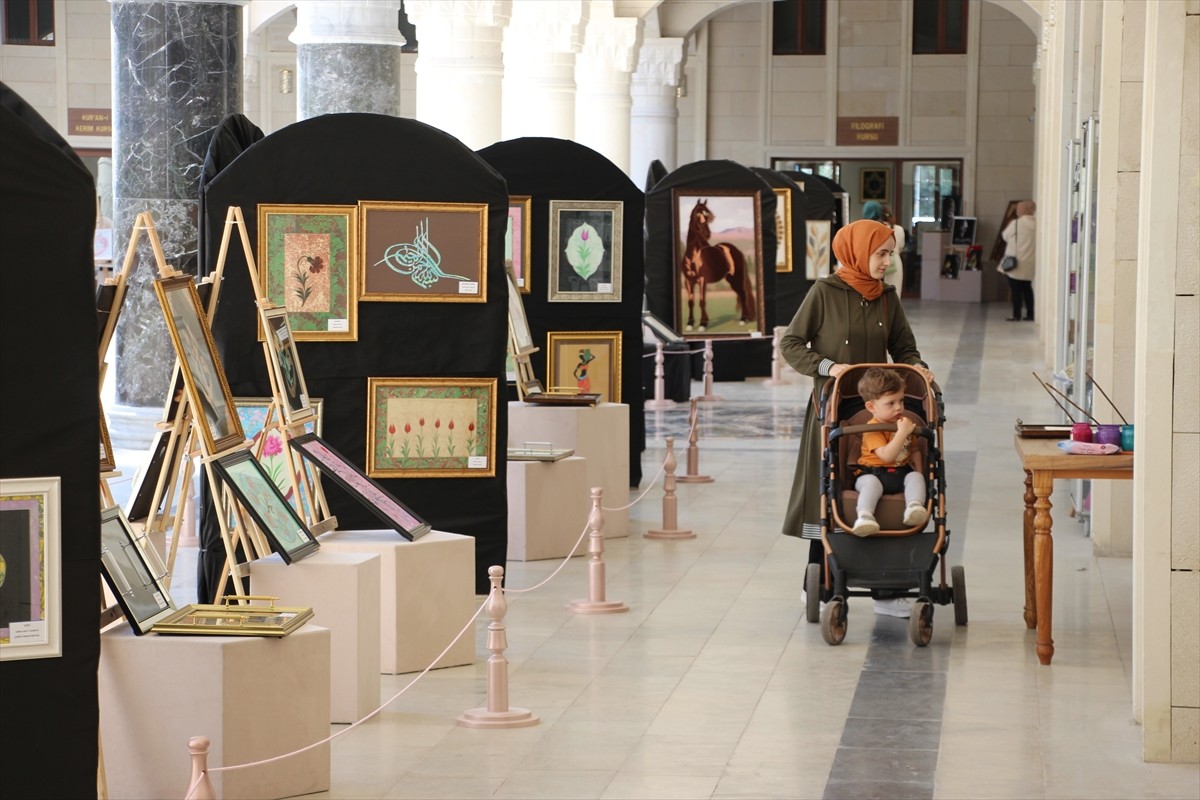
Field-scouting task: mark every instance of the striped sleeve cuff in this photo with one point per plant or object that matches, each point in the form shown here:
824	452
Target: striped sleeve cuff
825	365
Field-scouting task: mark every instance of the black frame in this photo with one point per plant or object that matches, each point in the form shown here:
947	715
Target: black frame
115	530
922	9
308	547
661	330
799	17
300	445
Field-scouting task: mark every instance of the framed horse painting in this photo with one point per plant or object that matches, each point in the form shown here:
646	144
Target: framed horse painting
585	251
718	263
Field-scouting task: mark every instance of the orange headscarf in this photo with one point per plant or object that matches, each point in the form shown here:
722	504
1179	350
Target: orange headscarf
852	247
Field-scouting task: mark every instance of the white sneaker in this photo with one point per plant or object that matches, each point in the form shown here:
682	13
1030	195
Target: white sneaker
915	514
894	607
865	525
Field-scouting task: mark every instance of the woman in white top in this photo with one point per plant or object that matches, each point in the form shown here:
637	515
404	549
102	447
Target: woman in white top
895	273
1020	240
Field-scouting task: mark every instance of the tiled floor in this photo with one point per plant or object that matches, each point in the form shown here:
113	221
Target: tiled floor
714	685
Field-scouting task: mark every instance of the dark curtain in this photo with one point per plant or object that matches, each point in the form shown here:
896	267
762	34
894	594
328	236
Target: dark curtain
339	159
49	426
557	169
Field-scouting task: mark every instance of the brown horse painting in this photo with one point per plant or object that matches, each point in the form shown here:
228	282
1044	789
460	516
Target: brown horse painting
704	264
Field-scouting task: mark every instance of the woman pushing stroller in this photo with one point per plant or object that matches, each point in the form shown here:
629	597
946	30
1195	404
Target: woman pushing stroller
850	317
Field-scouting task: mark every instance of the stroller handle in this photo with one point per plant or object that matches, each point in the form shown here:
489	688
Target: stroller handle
847	430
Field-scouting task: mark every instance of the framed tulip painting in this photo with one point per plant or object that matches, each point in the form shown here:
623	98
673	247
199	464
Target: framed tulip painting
423	252
307	262
585	250
431	427
517	239
586	361
31	592
718	263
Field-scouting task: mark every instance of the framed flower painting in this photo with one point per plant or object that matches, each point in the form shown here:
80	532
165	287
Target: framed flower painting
307	262
269	445
585	250
431	427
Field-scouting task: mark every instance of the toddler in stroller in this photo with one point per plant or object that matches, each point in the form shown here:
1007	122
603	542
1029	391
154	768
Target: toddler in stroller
878	546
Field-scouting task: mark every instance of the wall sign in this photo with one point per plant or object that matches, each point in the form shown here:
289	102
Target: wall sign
89	122
868	131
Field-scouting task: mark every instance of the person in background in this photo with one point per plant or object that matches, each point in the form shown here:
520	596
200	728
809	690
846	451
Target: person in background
895	274
850	317
1020	240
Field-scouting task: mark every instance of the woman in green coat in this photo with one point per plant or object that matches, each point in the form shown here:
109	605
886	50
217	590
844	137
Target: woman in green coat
851	317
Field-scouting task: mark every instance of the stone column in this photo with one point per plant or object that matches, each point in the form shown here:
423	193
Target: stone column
459	66
654	114
603	73
177	72
540	44
347	57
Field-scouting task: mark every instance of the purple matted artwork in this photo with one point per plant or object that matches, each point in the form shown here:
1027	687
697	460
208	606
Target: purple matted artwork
355	481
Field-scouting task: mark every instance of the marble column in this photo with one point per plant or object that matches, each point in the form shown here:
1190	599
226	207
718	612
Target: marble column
347	57
539	47
654	115
460	66
177	72
603	72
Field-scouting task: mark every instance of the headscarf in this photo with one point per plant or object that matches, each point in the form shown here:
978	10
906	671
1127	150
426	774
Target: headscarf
873	210
852	247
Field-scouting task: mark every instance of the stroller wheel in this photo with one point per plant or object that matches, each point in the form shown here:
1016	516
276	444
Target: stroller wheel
958	583
833	621
920	623
812	588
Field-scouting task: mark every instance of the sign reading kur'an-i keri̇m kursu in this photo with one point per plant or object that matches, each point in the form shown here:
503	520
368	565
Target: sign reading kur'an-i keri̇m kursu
868	131
89	122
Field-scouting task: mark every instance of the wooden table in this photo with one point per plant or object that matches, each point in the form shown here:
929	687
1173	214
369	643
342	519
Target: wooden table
1044	462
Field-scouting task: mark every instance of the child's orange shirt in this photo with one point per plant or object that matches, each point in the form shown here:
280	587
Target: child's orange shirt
873	440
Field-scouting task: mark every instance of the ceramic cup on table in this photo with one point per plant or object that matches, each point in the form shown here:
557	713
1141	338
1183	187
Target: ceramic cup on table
1108	434
1127	438
1081	432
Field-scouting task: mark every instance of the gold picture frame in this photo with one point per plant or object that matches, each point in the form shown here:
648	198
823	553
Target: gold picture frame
588	362
285	365
422	252
108	459
431	427
518	240
308	263
213	411
783	229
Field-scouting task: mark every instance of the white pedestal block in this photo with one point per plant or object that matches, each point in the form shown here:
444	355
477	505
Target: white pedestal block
599	433
427	594
547	511
255	697
343	591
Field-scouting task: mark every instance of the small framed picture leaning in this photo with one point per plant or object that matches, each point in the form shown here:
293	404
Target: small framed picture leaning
265	504
586	361
783	229
431	427
269	446
128	570
344	473
285	366
307	263
212	404
585	250
423	252
518	240
31	544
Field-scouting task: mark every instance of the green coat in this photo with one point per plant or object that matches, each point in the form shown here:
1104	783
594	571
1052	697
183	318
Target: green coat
835	325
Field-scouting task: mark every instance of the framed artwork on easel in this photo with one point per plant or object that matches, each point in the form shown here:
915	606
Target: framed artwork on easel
262	500
138	587
213	412
285	366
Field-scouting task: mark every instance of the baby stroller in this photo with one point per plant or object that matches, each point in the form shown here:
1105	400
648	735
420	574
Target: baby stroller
899	561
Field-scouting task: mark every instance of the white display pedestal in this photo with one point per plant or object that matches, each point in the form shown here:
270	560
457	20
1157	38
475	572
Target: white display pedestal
547	508
427	594
255	697
343	591
599	433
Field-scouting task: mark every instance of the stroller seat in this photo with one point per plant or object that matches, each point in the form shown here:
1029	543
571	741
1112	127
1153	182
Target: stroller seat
889	512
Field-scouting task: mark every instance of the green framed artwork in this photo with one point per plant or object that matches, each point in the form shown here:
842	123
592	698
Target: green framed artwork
307	263
431	427
585	250
252	412
262	500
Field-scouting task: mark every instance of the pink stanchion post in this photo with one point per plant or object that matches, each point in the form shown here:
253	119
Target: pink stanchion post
693	452
670	525
777	362
708	395
497	714
200	786
660	400
596	602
